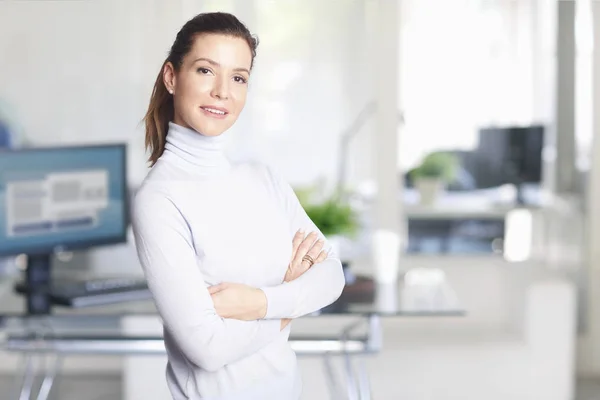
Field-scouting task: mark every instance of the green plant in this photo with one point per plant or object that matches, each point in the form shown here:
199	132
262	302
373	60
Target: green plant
333	216
440	165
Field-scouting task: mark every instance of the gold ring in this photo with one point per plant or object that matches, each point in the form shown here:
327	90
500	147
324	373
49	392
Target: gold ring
309	259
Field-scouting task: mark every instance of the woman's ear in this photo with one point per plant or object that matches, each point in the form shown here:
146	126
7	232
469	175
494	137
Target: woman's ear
169	77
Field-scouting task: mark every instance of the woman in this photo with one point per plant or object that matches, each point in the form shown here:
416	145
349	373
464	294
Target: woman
223	246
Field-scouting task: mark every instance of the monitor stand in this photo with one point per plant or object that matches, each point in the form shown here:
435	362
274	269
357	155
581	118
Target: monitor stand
37	281
41	292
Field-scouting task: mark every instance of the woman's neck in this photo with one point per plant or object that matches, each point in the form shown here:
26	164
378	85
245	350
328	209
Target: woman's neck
206	152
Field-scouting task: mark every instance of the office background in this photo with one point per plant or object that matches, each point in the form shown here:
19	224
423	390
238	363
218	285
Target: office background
80	72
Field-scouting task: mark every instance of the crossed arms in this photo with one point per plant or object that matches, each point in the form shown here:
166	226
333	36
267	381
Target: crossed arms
208	340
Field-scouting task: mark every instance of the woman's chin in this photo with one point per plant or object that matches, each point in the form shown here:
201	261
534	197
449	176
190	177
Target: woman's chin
210	128
207	130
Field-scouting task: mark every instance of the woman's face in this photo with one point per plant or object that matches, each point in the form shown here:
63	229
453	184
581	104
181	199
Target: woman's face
209	90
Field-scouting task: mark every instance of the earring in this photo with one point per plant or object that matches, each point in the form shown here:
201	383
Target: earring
171	91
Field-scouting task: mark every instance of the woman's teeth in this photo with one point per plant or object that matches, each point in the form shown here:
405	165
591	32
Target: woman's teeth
214	111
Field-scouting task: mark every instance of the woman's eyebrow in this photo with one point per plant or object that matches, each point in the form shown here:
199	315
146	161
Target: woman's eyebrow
216	64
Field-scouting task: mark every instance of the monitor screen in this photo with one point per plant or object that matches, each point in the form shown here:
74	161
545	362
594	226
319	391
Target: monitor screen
509	155
65	198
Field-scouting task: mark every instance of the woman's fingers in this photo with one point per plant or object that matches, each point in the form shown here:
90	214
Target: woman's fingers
322	256
304	247
217	288
313	253
298	238
296	241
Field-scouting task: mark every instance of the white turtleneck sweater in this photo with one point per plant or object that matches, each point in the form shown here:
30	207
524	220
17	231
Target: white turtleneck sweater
200	220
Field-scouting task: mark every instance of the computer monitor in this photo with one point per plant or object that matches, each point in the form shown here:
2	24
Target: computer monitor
510	154
60	199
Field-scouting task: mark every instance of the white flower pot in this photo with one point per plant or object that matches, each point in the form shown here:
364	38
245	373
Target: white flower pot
430	189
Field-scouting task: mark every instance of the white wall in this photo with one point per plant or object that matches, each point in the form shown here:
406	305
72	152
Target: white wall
83	71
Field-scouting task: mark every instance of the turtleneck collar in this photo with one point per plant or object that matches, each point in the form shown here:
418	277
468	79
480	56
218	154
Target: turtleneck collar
206	152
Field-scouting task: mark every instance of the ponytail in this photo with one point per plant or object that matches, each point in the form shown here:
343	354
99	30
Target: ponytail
160	112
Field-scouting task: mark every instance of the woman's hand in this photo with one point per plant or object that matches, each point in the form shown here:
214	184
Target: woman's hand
238	301
243	302
302	246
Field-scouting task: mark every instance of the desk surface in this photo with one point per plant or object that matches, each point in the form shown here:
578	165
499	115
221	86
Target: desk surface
480	203
424	295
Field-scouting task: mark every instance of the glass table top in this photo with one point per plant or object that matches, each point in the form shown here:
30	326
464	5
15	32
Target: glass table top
422	293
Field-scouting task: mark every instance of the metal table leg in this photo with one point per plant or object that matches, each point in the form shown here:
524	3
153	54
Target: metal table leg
25	391
374	343
350	378
28	378
358	385
49	378
364	385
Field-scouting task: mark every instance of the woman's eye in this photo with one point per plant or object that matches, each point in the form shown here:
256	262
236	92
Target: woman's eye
240	79
203	70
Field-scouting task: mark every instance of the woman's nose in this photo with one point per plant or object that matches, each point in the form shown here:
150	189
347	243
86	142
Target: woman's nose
221	89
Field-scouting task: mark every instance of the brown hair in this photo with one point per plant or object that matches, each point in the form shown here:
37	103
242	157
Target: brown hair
160	110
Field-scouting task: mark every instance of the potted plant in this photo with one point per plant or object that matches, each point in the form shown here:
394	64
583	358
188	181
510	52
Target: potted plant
433	174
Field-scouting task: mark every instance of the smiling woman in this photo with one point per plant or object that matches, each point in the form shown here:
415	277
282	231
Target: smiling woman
210	95
203	83
229	253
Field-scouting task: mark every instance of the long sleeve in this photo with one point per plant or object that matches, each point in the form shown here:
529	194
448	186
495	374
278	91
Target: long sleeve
321	285
166	253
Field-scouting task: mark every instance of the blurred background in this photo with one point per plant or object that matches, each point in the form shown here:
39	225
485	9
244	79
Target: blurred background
448	141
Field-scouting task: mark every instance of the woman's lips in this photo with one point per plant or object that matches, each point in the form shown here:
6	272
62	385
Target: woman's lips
214	112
